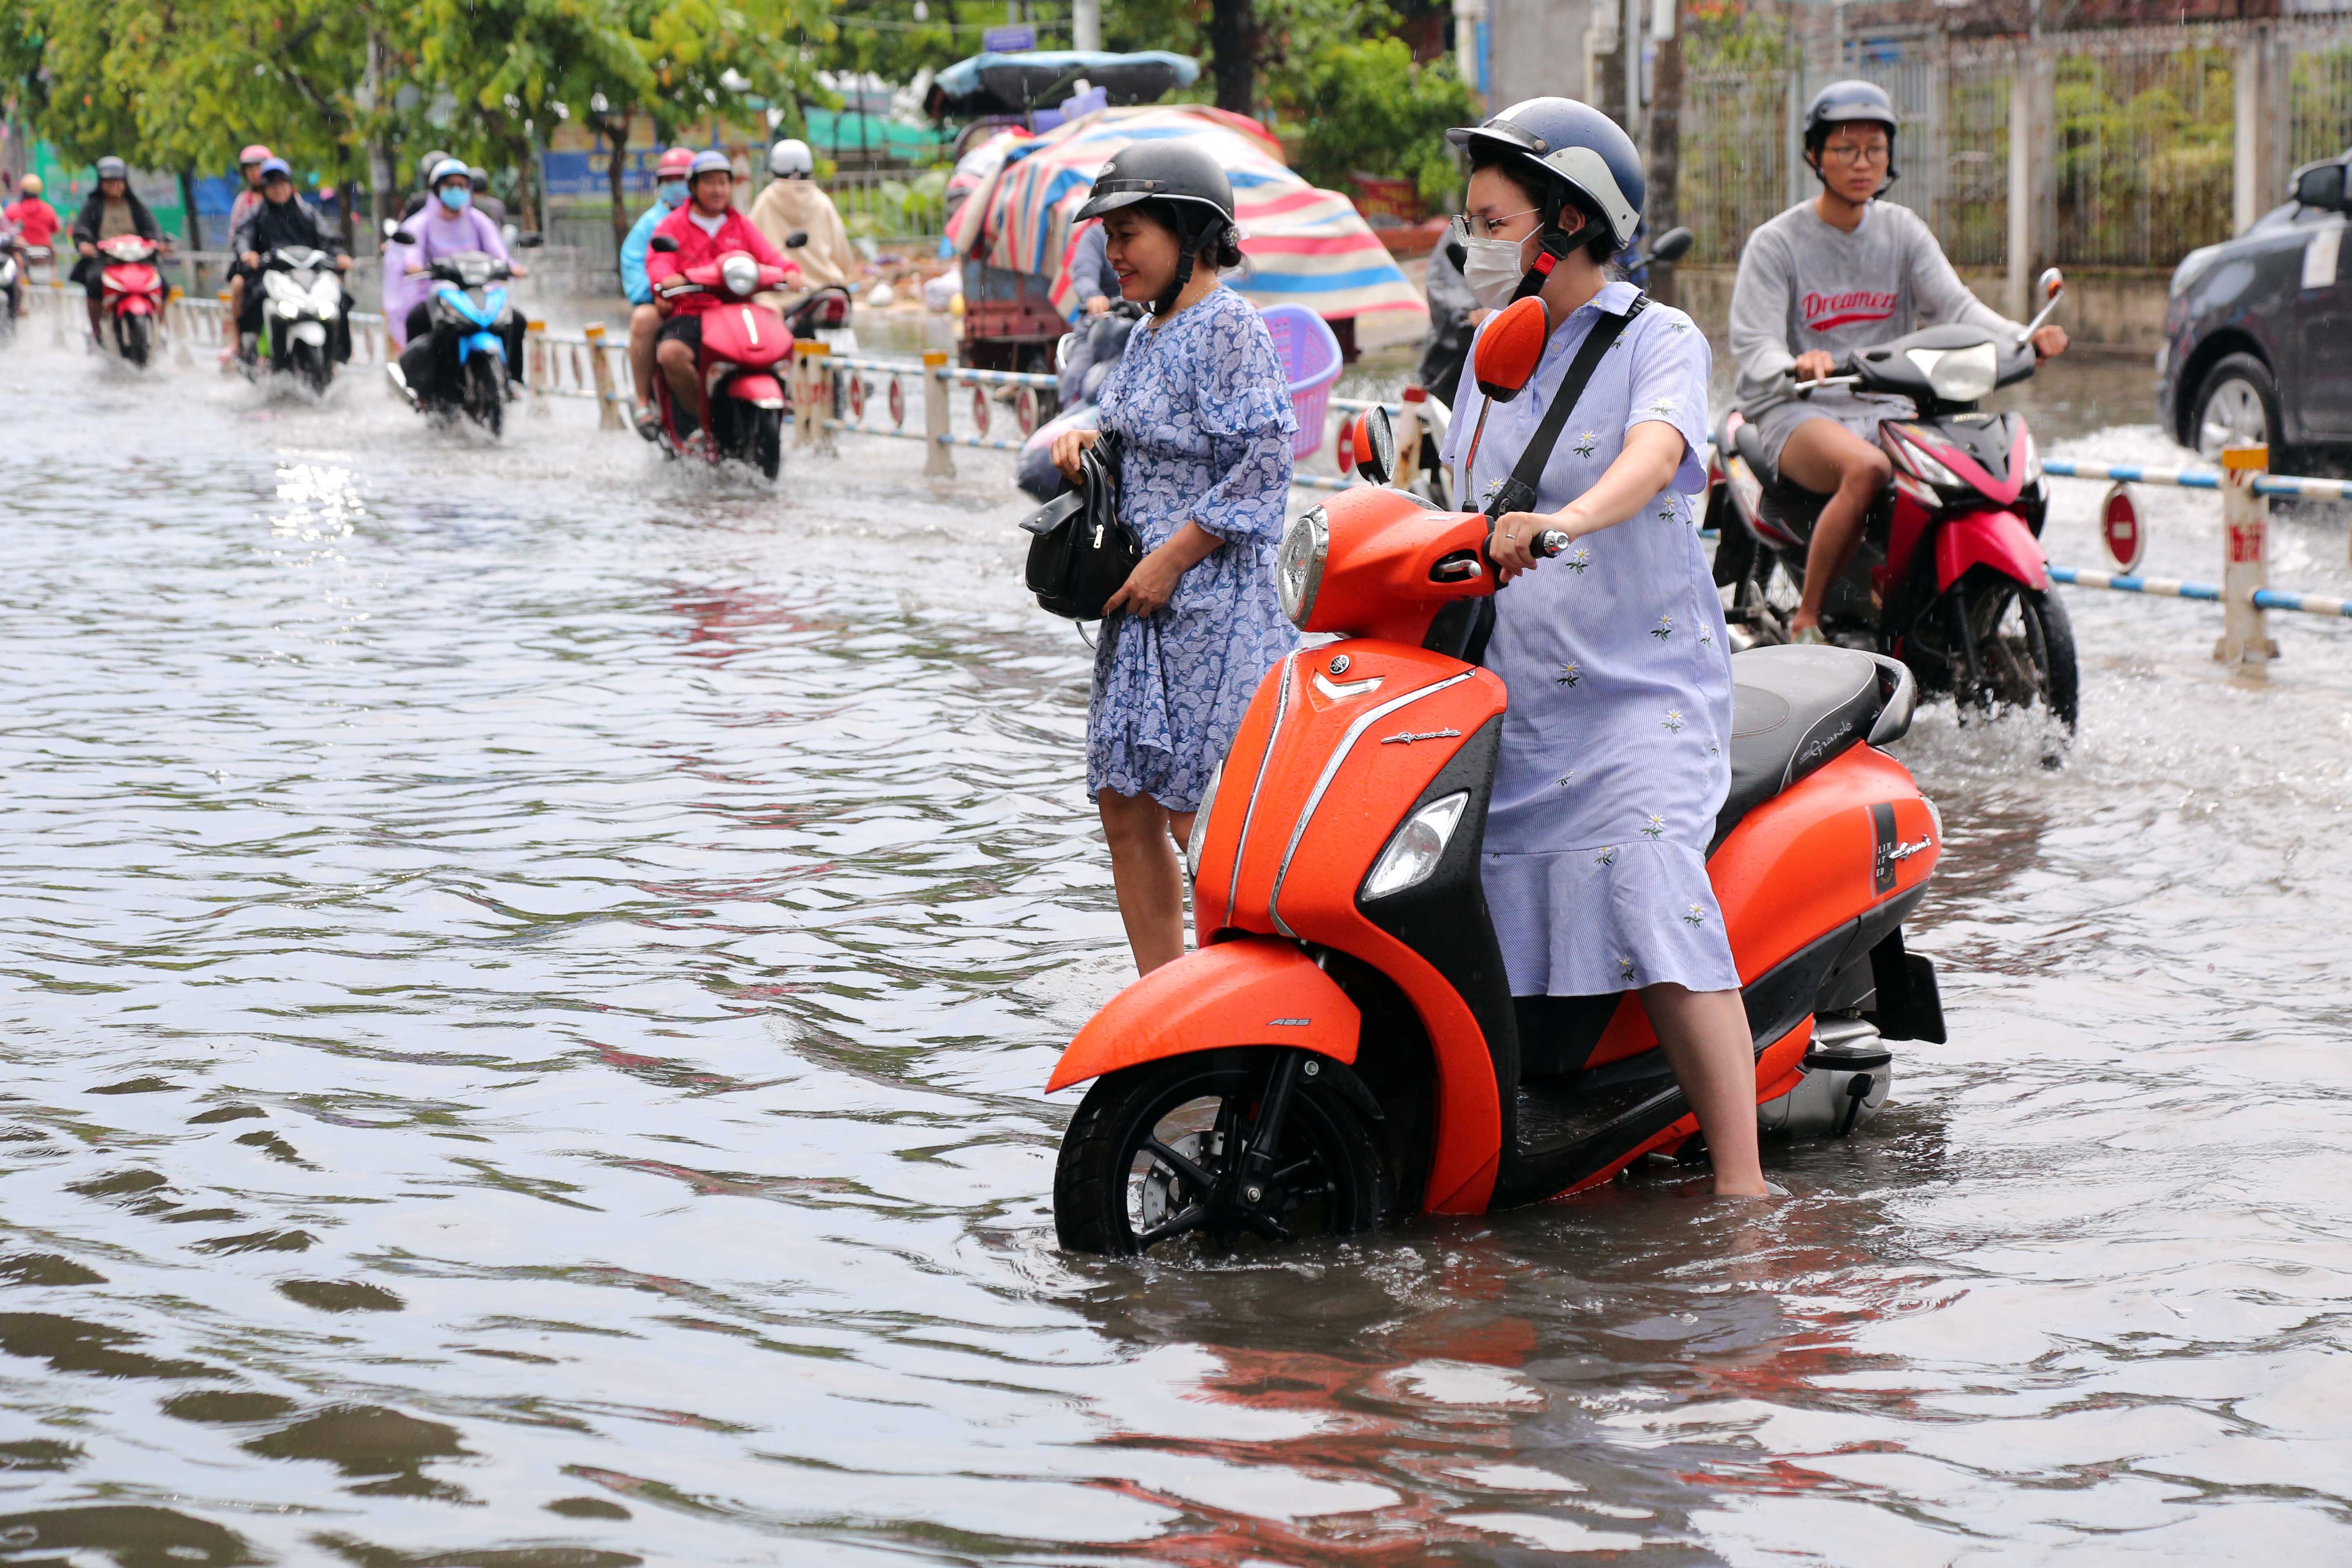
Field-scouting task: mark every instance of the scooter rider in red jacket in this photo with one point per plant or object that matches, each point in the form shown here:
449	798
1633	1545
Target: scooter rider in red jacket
705	228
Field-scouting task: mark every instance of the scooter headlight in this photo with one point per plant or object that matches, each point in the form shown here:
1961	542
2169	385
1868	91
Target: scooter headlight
1958	376
2032	459
740	274
1912	461
278	286
327	293
1299	564
1415	849
1201	824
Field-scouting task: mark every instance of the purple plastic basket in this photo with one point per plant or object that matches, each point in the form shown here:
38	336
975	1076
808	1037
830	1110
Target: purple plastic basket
1310	358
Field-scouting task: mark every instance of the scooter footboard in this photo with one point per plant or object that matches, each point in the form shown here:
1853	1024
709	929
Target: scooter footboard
1254	991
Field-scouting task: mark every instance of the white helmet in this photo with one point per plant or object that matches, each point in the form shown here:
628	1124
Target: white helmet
790	160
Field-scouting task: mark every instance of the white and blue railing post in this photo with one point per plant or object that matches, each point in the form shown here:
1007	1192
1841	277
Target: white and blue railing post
2245	568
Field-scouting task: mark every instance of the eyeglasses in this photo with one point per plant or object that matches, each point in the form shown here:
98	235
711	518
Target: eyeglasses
1469	226
1878	152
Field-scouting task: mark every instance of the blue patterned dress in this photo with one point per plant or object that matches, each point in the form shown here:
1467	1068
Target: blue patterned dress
1203	409
1615	653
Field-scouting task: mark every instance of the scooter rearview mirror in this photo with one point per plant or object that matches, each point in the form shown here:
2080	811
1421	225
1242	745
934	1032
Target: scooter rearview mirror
531	241
1371	443
1510	348
1673	245
664	242
401	236
795	240
2052	283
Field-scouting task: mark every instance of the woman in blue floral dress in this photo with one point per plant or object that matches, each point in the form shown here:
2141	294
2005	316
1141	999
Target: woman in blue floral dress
1202	409
1612	764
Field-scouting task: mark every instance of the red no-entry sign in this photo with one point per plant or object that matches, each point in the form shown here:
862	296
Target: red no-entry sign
2120	530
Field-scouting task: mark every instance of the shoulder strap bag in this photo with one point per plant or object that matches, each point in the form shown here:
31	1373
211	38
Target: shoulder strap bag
1462	629
1080	553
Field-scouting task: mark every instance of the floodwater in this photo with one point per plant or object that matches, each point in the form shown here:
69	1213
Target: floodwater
526	978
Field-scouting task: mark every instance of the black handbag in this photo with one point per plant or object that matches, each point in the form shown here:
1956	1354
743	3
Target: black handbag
1080	553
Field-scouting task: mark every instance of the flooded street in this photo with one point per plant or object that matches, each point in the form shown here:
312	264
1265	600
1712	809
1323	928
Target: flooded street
526	980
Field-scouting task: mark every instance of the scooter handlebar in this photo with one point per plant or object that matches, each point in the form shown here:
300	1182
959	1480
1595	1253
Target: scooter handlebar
1548	543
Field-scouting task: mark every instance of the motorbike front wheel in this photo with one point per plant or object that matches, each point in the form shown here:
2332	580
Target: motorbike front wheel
131	334
1155	1155
768	440
2028	659
316	370
486	392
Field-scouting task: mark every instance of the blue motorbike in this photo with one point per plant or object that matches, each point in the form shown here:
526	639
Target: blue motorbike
461	365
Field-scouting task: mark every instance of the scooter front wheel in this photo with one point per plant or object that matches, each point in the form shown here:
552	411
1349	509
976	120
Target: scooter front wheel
1175	1153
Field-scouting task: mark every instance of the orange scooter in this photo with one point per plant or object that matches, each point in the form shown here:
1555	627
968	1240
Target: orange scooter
1342	1048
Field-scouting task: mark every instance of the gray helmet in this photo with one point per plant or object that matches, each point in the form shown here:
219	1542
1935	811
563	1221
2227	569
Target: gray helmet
428	163
1573	146
479	176
113	169
1841	103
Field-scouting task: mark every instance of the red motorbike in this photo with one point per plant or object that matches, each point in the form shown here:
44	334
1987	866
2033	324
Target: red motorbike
1342	1048
1950	576
742	342
131	295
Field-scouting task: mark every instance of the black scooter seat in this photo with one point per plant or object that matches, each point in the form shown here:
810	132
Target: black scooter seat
1783	501
1796	709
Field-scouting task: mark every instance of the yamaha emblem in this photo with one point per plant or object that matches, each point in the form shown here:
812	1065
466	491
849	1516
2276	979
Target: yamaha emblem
1340	665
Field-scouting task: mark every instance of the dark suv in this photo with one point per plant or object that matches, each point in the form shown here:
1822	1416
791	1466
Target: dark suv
2258	335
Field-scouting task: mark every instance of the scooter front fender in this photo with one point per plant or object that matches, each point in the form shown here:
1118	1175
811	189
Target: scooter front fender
758	390
1996	538
1252	991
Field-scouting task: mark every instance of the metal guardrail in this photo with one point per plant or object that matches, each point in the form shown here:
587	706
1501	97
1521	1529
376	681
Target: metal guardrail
2197	479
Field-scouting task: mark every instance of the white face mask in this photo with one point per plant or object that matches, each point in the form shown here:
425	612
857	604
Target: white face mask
1493	269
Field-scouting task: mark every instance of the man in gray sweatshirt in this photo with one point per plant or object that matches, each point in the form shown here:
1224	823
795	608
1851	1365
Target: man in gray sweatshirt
1826	278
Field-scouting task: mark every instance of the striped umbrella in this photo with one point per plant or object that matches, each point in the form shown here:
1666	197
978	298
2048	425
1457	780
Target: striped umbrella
1303	245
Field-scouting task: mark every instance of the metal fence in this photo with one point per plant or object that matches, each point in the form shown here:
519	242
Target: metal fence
2137	134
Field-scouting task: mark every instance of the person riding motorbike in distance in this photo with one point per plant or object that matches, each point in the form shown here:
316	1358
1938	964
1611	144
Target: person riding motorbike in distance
705	228
1615	653
669	194
422	196
248	197
1826	278
283	219
112	210
451	225
489	206
794	202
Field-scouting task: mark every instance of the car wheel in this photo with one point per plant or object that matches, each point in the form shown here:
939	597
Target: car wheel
2239	402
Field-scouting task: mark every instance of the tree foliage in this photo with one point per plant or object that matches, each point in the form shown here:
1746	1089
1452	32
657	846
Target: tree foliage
1364	106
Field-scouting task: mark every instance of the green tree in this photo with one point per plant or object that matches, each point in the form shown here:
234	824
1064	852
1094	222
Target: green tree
1366	107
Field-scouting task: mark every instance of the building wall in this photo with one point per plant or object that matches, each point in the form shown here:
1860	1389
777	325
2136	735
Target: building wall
1535	48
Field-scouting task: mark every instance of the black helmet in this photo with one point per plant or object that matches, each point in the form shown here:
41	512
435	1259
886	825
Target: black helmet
113	169
1844	101
1188	181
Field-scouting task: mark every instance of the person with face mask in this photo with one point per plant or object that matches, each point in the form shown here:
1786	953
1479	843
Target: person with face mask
112	210
644	318
1612	764
448	225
